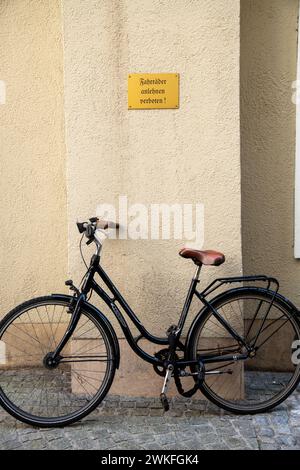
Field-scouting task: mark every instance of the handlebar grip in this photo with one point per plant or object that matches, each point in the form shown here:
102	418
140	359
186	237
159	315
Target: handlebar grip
105	224
95	223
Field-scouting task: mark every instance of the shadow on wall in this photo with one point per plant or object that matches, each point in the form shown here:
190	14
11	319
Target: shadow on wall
268	68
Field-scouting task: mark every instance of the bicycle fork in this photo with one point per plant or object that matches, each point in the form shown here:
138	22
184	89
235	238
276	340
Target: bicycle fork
54	357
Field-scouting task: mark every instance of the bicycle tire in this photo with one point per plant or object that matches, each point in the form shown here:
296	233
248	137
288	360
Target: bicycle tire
201	320
48	421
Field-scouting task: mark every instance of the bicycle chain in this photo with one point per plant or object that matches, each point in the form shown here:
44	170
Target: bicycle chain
193	390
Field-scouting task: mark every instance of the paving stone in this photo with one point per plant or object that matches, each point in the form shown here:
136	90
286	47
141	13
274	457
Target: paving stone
142	411
287	441
127	404
205	429
252	443
295	431
247	432
11	445
295	414
207	438
280	419
156	412
294	421
165	439
129	423
175	412
234	442
60	444
143	404
268	446
261	420
266	432
283	429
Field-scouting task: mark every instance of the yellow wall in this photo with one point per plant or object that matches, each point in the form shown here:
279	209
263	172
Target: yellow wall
190	155
33	233
268	68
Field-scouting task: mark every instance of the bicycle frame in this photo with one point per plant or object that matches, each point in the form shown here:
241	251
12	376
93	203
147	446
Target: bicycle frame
90	284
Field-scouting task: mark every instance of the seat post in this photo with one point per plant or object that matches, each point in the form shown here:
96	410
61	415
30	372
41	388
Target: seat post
189	297
197	273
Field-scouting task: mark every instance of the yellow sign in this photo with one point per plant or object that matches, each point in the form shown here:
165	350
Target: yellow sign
153	91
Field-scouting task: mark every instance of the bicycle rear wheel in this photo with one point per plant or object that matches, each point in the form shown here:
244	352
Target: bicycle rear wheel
257	383
46	396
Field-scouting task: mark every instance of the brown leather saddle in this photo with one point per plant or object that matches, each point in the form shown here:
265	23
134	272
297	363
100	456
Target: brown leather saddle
207	257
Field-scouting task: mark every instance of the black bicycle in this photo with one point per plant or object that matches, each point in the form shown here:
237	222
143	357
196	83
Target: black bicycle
58	354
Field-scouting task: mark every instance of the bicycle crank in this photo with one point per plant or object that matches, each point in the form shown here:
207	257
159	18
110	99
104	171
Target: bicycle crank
163	355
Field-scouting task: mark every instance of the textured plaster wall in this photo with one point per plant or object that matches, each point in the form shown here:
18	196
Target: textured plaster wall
268	68
190	155
33	233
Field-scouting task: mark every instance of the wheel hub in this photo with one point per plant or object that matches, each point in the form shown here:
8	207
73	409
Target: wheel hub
51	362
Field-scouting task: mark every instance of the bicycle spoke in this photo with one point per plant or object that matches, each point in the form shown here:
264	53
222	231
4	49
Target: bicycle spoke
220	367
52	339
70	386
272	334
258	381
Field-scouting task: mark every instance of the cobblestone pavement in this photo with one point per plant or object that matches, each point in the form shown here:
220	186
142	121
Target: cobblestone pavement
128	423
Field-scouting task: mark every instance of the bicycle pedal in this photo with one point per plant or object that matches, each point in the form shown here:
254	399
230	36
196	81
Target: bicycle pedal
164	401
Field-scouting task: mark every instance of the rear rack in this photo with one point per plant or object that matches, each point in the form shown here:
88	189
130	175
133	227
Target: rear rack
240	279
231	280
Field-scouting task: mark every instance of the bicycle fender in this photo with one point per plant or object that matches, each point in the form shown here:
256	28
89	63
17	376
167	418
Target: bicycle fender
92	309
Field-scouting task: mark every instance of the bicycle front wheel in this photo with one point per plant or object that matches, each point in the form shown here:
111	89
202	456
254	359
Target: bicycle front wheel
271	373
43	395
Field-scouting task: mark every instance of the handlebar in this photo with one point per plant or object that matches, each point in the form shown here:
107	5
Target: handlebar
94	224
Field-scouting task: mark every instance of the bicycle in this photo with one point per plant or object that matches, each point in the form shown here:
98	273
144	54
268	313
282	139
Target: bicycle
59	353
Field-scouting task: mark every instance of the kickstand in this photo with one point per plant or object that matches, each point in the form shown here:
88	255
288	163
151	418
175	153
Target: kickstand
163	396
